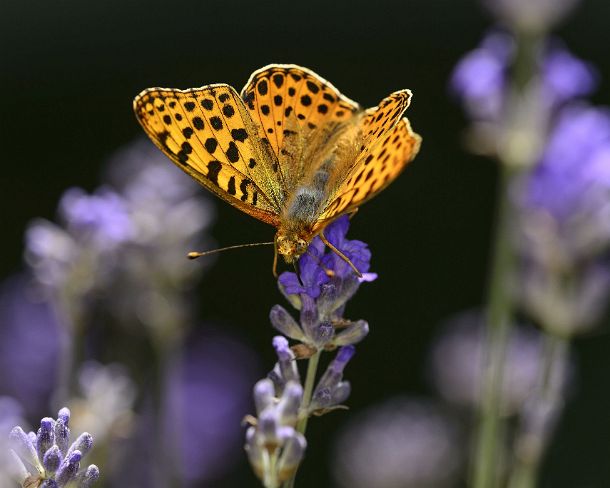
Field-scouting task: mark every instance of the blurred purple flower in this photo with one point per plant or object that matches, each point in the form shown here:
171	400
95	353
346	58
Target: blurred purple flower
566	76
208	396
403	442
480	78
30	343
572	180
11	414
458	360
123	247
563	234
102	217
531	15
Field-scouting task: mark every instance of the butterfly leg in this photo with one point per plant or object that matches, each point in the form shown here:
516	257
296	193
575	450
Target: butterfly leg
340	254
275	258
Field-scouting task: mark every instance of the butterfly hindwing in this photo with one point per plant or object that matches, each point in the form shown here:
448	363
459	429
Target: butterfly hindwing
388	146
208	133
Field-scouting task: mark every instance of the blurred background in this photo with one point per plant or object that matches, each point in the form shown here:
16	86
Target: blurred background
70	71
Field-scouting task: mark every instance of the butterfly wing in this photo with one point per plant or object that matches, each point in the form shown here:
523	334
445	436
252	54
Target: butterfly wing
208	133
388	145
276	93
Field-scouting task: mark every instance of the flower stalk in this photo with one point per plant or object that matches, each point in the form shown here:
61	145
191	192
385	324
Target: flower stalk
516	155
275	440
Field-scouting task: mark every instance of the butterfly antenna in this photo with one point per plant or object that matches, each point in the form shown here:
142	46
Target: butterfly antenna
340	254
195	255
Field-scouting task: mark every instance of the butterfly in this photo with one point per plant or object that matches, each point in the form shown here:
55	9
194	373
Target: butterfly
289	150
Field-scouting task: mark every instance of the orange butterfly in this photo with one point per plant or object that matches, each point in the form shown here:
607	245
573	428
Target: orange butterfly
291	150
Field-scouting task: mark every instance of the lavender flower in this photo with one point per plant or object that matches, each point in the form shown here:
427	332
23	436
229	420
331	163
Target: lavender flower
407	443
124	246
481	81
31	367
534	16
331	390
48	455
324	285
106	400
207	395
275	441
564	231
458	364
11	414
274	446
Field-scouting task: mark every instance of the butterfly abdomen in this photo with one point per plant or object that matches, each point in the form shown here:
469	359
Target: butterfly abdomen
304	207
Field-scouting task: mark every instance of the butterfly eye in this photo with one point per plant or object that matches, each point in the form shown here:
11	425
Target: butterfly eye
301	246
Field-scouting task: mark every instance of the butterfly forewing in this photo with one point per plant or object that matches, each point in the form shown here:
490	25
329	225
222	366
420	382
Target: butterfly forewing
208	133
373	172
279	93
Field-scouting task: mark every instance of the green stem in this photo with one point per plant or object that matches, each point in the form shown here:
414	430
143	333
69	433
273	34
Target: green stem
530	448
270	469
499	319
310	379
516	155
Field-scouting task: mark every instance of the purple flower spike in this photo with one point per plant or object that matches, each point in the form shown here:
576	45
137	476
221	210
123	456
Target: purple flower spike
64	415
52	459
292	455
320	292
62	435
24	447
264	394
90	476
284	323
83	444
286	366
46	436
68	469
567	76
343	357
330	389
103	216
288	406
57	464
353	334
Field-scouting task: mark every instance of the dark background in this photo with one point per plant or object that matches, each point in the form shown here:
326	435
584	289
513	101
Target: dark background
70	70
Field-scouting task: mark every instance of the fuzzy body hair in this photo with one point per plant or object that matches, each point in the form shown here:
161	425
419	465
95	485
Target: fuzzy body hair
315	164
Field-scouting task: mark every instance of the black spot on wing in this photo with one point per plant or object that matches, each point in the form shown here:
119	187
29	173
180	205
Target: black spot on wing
278	80
231	186
214	168
232	152
239	134
262	87
210	144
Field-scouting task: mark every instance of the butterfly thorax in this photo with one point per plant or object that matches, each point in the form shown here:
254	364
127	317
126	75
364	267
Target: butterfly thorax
315	158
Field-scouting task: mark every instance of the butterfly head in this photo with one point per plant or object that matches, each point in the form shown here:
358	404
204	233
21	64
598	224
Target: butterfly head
290	245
